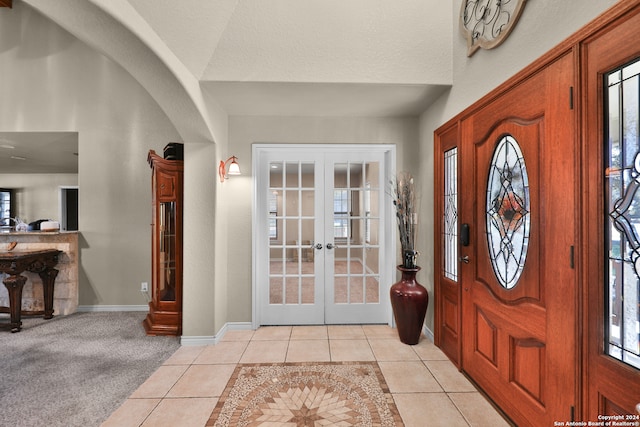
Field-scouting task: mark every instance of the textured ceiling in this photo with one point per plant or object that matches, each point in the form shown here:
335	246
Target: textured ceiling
190	28
310	57
365	41
256	57
356	41
323	99
276	57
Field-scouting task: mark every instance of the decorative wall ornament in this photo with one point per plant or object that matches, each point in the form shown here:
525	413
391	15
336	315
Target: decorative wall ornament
487	23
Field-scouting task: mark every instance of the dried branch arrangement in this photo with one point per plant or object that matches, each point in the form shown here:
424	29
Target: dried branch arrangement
404	200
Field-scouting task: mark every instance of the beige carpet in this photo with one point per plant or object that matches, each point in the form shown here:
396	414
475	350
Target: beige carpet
75	370
306	394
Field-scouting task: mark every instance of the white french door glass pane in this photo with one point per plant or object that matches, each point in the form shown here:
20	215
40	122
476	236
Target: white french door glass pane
307	204
308	289
292	175
292	290
292	277
355	204
275	289
307	175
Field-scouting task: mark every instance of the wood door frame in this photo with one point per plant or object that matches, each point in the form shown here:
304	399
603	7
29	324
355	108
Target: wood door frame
389	151
447	316
62	206
588	298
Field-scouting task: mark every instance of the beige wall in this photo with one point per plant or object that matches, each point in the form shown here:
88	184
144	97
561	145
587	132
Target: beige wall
543	25
247	130
204	303
53	82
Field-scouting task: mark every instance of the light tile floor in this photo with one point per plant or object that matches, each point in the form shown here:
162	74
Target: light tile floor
426	387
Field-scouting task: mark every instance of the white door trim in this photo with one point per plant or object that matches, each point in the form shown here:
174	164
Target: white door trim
389	151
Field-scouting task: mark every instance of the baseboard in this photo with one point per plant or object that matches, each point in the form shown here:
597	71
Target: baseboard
211	340
244	326
195	340
184	340
86	308
428	333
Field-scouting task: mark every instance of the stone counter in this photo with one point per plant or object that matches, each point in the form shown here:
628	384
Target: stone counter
65	296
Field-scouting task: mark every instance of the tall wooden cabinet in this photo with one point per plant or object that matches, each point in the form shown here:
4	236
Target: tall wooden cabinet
165	308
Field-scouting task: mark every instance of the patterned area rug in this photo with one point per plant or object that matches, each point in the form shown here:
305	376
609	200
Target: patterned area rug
306	394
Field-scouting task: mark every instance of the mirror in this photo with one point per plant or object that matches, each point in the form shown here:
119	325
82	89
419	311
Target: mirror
35	167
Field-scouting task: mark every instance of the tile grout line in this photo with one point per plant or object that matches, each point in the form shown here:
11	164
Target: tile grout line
328	340
458	409
151	412
161	399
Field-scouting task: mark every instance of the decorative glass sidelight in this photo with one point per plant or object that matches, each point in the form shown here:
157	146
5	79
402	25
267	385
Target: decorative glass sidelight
450	215
622	214
508	212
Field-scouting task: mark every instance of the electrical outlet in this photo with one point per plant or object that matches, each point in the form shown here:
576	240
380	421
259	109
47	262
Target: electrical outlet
144	287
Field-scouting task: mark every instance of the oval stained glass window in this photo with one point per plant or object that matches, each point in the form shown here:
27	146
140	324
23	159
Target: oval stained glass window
508	212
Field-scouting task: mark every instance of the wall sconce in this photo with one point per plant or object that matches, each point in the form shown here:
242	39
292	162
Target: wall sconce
234	168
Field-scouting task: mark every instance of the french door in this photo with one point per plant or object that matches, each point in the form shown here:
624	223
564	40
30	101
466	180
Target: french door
518	200
321	224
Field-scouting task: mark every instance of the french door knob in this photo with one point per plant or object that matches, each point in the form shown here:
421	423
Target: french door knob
318	246
331	246
465	259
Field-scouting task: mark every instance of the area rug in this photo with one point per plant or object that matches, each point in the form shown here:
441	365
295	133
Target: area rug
306	394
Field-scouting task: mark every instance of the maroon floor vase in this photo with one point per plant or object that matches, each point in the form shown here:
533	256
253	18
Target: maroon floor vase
409	300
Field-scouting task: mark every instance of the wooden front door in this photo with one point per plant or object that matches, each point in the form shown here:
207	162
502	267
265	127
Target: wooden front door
518	197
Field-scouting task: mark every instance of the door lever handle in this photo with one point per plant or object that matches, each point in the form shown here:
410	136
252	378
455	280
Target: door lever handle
464	259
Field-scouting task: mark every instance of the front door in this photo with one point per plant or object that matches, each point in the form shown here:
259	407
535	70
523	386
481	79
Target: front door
321	235
518	198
